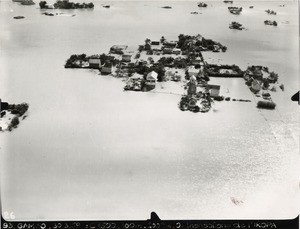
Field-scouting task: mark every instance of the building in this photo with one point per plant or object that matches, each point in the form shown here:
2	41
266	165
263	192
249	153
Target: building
126	58
193	72
255	86
170	44
152	77
3	105
155	42
118	49
256	73
192	86
196	61
176	51
214	90
106	69
95	63
167	51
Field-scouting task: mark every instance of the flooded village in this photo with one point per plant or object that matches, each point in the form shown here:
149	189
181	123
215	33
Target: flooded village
181	61
114	109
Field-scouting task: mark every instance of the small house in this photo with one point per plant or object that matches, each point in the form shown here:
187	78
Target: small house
155	42
95	63
256	73
255	86
170	44
196	61
3	105
176	51
192	86
126	58
167	51
214	90
152	77
106	69
193	72
118	49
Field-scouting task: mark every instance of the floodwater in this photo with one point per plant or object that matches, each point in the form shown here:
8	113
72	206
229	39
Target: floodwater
89	150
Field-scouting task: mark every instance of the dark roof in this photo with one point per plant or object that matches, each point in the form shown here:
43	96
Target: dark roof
211	86
155	43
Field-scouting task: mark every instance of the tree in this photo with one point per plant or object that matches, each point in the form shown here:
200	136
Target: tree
43	4
147	41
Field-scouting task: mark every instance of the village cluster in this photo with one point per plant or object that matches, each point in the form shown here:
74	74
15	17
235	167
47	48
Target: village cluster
161	60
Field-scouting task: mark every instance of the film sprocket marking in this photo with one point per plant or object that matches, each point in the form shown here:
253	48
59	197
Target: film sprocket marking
154	223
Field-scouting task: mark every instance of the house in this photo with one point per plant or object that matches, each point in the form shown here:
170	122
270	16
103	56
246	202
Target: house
196	61
255	86
126	58
167	51
118	49
155	42
95	63
192	86
106	69
256	73
137	76
193	72
3	105
176	51
152	77
214	90
170	44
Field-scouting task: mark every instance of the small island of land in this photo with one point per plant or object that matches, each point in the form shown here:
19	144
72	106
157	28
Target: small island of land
270	12
19	17
202	4
10	115
235	10
236	25
65	4
181	61
269	22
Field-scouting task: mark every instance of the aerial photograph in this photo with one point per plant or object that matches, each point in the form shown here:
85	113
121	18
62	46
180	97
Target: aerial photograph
111	110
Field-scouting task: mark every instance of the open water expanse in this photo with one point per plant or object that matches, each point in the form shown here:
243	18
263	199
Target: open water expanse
90	150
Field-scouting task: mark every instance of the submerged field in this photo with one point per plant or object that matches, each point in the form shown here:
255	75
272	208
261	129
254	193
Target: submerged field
90	150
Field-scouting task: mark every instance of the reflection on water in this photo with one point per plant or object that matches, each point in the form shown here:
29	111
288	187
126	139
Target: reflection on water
89	150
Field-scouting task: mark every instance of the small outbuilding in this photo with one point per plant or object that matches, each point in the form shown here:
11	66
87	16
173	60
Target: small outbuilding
214	90
155	42
126	58
106	69
255	86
